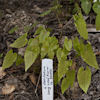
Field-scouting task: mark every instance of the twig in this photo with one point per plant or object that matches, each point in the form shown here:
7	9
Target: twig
64	27
37	83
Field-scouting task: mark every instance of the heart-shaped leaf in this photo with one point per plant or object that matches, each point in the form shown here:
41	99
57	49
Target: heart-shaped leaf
81	25
33	42
63	66
65	84
68	44
9	59
30	57
86	6
84	78
44	49
96	7
97	21
51	54
53	45
71	76
89	57
20	42
43	35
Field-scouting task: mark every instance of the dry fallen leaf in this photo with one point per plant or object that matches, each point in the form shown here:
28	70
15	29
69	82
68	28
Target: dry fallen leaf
73	65
2	73
32	78
60	25
97	53
8	89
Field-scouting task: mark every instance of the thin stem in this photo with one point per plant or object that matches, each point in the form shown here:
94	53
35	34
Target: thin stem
64	27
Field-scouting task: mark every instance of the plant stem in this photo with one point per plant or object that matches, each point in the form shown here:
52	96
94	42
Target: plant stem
64	27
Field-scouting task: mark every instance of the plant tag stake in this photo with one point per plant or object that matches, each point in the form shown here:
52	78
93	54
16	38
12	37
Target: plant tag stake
47	79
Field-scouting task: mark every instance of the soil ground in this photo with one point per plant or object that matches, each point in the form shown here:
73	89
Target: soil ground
25	13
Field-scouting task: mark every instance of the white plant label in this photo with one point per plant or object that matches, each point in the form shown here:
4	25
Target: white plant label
47	79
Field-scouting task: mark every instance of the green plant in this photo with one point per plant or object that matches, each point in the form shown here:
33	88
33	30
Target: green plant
44	45
87	5
1	55
0	13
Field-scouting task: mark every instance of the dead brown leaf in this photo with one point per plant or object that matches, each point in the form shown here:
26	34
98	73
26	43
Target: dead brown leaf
73	65
8	89
32	78
2	73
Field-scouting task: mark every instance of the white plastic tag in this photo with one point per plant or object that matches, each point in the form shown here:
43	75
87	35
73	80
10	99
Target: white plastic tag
47	79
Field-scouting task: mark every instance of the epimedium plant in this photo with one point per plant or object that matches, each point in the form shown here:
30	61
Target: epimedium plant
44	45
86	5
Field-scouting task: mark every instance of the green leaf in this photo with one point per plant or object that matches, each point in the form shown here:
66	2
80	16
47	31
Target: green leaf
45	13
81	25
64	50
52	39
76	45
86	6
63	66
81	47
27	28
39	30
51	54
30	57
97	21
74	11
13	29
96	7
64	85
9	59
71	76
89	57
1	55
59	54
56	7
68	44
33	42
0	13
20	42
44	49
56	78
19	60
49	29
43	35
84	78
77	7
53	45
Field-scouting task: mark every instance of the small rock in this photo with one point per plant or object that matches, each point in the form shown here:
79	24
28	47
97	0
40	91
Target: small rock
91	93
98	87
